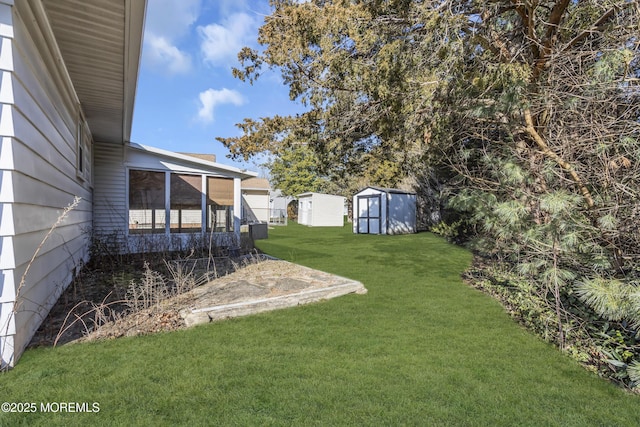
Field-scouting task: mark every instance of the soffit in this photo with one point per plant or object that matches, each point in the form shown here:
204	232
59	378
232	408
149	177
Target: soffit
100	42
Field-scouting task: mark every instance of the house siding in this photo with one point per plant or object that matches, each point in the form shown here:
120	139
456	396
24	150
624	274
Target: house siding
257	205
110	197
39	122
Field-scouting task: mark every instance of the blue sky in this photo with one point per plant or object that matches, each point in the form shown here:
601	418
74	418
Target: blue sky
186	95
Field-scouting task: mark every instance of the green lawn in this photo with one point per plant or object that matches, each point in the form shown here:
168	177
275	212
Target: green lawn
421	348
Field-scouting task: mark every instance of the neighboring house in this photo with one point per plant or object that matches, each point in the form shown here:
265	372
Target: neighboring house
69	73
321	210
255	197
384	211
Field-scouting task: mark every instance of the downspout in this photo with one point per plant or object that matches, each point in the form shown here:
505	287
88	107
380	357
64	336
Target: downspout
237	207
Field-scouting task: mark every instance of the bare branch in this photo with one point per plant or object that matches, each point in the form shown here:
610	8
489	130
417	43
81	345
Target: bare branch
566	166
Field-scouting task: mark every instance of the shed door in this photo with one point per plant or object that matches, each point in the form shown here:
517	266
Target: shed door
369	217
304	212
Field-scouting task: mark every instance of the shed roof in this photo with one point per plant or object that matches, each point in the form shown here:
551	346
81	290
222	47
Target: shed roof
311	193
387	190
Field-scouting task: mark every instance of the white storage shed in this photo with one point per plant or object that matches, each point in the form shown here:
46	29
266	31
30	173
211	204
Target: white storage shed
321	210
384	211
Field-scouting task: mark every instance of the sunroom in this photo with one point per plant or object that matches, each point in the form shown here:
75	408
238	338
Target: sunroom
167	202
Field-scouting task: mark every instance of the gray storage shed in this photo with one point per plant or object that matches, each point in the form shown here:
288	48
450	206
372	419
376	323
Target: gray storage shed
384	211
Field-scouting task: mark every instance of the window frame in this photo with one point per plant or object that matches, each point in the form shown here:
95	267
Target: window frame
178	207
84	142
213	206
152	230
207	207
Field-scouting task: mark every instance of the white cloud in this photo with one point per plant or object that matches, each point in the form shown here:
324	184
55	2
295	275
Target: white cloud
171	18
221	43
166	22
211	98
160	53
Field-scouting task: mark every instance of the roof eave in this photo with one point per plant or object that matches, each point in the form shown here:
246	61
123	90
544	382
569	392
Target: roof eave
100	45
242	173
134	27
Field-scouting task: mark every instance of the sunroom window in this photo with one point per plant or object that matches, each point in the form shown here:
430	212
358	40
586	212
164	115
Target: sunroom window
186	203
146	202
186	196
219	204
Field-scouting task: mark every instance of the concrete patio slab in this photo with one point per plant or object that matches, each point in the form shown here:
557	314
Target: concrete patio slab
268	285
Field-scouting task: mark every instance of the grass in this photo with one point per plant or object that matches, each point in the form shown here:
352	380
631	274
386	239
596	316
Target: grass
421	348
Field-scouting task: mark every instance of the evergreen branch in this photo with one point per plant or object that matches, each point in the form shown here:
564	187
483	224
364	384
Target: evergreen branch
566	166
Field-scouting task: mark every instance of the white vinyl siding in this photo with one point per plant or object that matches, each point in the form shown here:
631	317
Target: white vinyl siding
39	161
257	202
109	199
321	210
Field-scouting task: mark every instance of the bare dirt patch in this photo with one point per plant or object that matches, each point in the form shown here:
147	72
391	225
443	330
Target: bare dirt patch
99	295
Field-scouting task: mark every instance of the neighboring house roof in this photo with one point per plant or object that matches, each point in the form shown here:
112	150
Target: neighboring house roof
201	156
100	43
243	173
256	184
